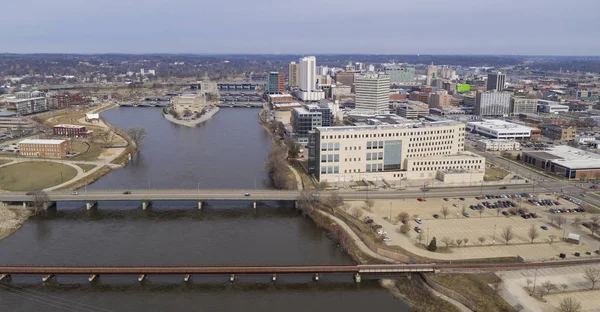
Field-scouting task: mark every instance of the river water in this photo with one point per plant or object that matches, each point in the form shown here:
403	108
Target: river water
228	151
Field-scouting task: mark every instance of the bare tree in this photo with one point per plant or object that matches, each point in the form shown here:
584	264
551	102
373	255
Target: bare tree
107	137
445	211
39	201
592	275
137	135
529	282
404	228
334	201
446	241
463	208
552	219
549	286
345	206
306	201
465	241
576	221
356	212
420	237
564	287
560	221
595	219
369	203
277	168
480	212
497	284
481	240
518	308
459	242
402	217
552	238
533	233
569	305
507	234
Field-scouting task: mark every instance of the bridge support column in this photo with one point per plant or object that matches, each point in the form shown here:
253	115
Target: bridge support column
316	278
409	275
232	278
254	205
47	277
200	205
24	204
91	204
49	204
93	277
296	204
141	278
274	278
146	204
357	277
4	277
187	278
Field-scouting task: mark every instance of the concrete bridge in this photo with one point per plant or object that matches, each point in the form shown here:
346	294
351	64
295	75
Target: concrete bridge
146	196
145	104
357	270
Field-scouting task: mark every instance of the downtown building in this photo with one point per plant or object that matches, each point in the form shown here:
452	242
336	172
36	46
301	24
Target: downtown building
496	81
307	80
26	103
275	83
413	150
293	75
492	103
400	73
372	92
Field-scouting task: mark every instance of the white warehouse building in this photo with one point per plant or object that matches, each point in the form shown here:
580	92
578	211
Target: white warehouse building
500	129
498	145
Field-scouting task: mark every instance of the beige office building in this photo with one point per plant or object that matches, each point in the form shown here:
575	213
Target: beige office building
410	151
293	75
188	102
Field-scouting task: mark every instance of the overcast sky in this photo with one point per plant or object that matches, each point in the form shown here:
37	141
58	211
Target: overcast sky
540	27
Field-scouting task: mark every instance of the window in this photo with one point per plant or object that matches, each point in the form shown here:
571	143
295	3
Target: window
330	146
368	168
329	169
323	146
336	158
368	156
323	169
323	158
329	158
368	144
380	155
336	147
379	167
336	169
380	144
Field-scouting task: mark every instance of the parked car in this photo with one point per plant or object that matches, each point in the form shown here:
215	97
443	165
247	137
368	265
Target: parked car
436	216
545	228
466	214
503	187
505	213
387	239
419	221
462	198
127	192
418	229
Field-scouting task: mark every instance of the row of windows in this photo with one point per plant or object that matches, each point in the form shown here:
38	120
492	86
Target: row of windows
433	138
351	147
447	162
439	148
441	168
330	146
373	156
330	158
330	169
374	144
350	159
388	134
430	143
374	167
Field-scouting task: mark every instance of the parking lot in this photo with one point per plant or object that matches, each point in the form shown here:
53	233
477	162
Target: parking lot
482	227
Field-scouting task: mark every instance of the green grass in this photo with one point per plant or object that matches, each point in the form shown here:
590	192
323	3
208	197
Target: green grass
495	174
88	151
86	167
33	175
4	161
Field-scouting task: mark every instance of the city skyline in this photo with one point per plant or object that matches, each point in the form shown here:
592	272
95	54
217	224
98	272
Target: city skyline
427	27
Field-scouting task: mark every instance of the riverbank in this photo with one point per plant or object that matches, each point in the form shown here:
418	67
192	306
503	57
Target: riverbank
12	218
192	122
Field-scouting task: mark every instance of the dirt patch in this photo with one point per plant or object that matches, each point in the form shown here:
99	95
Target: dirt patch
11	219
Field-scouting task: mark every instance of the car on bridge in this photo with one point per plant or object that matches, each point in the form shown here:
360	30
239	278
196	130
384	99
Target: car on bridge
246	194
127	192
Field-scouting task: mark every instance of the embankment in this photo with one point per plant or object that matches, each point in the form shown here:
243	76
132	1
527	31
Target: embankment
195	122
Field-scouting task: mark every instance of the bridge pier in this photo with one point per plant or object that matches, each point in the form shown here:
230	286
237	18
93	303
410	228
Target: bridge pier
296	204
91	204
232	278
49	204
274	278
254	205
93	277
146	204
200	205
316	278
141	278
187	278
47	277
357	277
4	277
24	204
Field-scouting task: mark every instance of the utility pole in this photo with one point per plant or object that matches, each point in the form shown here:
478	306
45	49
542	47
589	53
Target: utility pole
534	280
494	237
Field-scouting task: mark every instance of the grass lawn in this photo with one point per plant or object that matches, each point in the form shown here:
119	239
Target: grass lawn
88	151
86	167
32	175
495	174
4	161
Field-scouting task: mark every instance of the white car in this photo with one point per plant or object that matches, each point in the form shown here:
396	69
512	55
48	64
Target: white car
74	193
387	239
381	232
419	221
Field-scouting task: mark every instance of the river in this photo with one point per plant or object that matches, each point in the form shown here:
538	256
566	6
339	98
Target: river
228	151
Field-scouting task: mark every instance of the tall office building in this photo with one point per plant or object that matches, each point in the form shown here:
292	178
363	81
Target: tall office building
293	75
431	74
276	83
307	80
492	103
496	81
400	73
372	92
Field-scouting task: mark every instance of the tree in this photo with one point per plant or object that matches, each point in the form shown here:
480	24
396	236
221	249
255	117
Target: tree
533	233
446	241
107	137
560	220
552	238
529	282
549	286
334	201
404	228
356	212
369	203
576	221
420	237
173	113
432	245
518	157
402	217
40	200
305	202
481	212
459	242
569	305
497	284
507	234
277	168
481	240
592	275
137	135
463	208
445	211
564	287
292	146
465	240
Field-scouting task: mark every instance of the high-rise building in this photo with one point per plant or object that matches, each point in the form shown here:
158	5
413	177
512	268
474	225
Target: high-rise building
496	81
304	121
307	80
431	74
373	92
345	78
523	106
276	84
293	75
400	73
492	103
326	113
440	99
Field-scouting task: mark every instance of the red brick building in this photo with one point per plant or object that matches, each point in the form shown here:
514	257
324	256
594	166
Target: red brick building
60	101
72	131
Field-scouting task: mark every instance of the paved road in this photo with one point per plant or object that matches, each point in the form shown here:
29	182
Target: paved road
257	195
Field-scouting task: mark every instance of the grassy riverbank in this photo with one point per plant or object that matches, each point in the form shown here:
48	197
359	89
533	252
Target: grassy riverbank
12	218
33	175
87	180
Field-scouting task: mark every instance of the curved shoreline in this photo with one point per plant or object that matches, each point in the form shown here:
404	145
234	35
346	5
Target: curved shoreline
192	123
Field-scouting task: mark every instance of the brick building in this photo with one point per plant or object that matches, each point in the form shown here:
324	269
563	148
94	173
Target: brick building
72	131
45	148
66	100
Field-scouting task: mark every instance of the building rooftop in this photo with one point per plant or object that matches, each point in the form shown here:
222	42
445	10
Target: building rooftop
569	157
497	141
40	141
69	126
409	124
279	95
499	125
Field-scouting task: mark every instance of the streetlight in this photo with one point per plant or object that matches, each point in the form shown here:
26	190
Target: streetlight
390	211
494	237
427	234
534	280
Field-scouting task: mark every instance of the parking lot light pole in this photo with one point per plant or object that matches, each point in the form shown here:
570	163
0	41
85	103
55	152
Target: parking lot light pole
494	237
